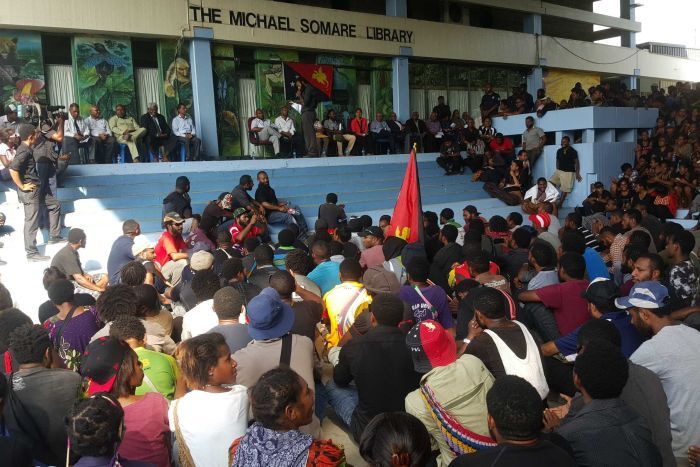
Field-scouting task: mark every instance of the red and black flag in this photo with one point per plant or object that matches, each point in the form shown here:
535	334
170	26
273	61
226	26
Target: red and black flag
318	76
407	220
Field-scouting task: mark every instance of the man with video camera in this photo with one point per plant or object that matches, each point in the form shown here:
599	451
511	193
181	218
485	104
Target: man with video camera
33	170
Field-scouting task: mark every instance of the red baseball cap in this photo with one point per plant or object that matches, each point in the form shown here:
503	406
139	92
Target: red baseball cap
542	219
431	346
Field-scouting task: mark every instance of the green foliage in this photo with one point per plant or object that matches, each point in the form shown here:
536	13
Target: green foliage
226	95
382	91
117	86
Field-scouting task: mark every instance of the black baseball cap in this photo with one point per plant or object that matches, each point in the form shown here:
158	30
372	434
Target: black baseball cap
471	209
600	292
373	231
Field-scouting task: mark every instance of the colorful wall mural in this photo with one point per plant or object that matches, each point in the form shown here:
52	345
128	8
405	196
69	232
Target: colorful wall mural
21	68
226	96
174	70
382	91
103	73
270	79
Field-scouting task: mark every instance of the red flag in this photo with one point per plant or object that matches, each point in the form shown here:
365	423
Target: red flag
407	220
318	76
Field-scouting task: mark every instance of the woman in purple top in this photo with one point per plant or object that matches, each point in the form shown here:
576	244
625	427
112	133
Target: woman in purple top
427	300
72	327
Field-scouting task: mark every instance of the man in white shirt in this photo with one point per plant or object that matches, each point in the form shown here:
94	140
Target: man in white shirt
673	353
103	143
379	129
542	192
184	129
265	131
9	120
205	284
76	135
288	134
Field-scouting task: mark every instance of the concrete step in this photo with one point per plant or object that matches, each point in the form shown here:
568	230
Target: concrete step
122	196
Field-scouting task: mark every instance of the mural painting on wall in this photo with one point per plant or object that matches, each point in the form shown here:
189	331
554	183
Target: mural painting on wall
344	96
269	81
21	68
382	92
226	100
104	75
174	70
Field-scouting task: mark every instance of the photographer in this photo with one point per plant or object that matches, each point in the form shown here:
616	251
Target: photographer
34	190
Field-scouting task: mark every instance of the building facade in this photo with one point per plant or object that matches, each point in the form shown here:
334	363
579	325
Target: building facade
224	58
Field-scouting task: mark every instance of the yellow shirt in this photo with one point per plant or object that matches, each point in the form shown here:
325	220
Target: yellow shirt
342	304
120	125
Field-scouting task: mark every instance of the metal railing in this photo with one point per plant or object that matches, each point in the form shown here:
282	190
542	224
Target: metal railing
672	50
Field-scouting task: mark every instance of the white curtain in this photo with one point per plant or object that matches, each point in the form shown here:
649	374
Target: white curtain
147	89
458	99
416	99
59	85
364	100
246	93
474	109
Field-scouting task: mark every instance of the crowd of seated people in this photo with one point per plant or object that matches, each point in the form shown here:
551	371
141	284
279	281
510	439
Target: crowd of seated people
662	176
533	341
95	140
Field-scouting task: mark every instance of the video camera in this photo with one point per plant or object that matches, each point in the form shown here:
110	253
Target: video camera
40	115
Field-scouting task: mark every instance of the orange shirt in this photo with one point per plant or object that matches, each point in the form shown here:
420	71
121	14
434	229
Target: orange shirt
358	127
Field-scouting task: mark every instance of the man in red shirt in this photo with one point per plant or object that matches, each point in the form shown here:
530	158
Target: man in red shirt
504	147
569	308
244	227
171	249
359	128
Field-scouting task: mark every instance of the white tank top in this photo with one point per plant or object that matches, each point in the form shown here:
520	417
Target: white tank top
528	368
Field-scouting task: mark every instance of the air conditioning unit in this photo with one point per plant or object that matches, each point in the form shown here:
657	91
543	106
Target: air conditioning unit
455	13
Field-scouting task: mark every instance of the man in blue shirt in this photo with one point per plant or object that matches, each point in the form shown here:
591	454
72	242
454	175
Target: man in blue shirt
600	294
120	254
574	241
326	274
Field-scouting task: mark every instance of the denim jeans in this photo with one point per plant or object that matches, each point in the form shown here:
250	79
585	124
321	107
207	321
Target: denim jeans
344	400
277	217
320	401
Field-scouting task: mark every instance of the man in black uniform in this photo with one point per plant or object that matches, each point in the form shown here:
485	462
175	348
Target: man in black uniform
309	99
179	200
32	193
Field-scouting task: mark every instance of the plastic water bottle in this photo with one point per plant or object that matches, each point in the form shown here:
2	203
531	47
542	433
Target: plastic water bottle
363	151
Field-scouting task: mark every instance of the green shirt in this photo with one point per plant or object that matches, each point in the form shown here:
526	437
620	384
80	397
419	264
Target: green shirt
161	371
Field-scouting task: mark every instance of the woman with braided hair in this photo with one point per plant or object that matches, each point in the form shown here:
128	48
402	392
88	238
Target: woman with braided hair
95	430
282	402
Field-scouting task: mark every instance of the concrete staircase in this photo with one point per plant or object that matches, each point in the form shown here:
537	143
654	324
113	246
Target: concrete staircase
99	198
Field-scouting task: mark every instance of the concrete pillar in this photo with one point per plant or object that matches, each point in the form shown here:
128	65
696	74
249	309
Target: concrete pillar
399	82
399	73
628	38
532	24
396	8
535	80
203	90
